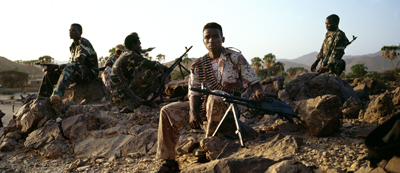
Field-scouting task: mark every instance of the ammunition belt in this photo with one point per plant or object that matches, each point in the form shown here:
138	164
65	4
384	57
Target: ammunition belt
206	75
124	85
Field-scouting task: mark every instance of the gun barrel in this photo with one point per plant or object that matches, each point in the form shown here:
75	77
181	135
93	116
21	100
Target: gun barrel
221	95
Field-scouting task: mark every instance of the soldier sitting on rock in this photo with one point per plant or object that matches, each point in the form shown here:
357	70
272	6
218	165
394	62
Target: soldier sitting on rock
229	73
82	68
132	74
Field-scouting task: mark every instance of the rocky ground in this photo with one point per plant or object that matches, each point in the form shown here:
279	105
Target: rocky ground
102	137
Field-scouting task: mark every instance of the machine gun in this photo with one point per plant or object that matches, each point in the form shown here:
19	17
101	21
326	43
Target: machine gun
268	106
160	80
50	67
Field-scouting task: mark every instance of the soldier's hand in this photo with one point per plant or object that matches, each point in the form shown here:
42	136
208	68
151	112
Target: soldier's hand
51	68
195	120
314	66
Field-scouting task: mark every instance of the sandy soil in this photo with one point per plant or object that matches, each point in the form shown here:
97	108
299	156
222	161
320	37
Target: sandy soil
6	107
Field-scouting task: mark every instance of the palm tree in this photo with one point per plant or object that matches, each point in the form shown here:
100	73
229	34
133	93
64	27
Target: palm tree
256	63
268	60
278	67
160	57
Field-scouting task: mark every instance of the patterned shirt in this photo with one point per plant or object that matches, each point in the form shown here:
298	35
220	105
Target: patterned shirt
333	47
83	54
140	71
231	71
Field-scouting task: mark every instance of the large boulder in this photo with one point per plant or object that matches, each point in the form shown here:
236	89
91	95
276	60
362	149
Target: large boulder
382	107
312	85
218	148
114	142
48	140
87	93
255	159
374	87
273	84
362	91
176	88
29	115
351	108
288	166
321	115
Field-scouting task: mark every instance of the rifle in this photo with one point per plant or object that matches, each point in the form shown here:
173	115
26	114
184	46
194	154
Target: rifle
160	80
268	106
327	58
50	67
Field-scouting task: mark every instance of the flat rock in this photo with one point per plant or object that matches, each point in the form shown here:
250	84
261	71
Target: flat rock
288	166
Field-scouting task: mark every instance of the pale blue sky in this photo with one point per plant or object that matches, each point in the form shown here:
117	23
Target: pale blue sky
288	29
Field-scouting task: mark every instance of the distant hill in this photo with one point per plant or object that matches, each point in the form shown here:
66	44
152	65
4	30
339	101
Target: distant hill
6	64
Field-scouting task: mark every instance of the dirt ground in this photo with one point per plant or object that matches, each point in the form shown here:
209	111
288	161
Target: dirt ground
6	105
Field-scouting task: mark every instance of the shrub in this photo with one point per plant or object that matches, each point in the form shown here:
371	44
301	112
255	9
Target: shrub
176	74
7	92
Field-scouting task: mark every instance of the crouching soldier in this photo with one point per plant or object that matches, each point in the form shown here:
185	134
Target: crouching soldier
132	74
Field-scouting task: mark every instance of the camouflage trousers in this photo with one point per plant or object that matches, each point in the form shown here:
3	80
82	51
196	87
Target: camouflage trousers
176	115
106	77
337	67
62	79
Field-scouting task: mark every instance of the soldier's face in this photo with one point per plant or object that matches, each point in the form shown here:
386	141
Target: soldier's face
330	26
213	39
74	32
137	47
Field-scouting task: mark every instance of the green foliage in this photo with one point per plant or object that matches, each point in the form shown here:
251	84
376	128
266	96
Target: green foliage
262	74
13	78
46	59
11	97
111	51
7	92
256	63
293	71
176	74
359	70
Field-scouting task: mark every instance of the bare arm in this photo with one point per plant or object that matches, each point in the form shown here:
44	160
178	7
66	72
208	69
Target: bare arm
194	119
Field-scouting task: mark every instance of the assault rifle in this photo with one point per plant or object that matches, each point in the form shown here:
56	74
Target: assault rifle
268	106
50	67
160	80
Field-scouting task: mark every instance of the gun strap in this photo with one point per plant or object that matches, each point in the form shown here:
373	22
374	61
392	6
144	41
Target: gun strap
123	83
206	75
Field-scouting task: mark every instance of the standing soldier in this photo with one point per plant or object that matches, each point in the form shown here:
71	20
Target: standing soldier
132	74
82	68
332	49
221	70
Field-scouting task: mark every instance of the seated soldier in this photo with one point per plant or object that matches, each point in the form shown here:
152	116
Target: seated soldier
332	49
221	69
105	76
82	68
132	74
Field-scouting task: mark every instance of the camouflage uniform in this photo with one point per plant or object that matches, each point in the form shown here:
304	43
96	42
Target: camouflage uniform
106	75
231	70
82	68
332	51
139	74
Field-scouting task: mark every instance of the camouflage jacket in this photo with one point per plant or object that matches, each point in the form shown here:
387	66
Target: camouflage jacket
332	48
140	72
83	54
111	60
231	71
